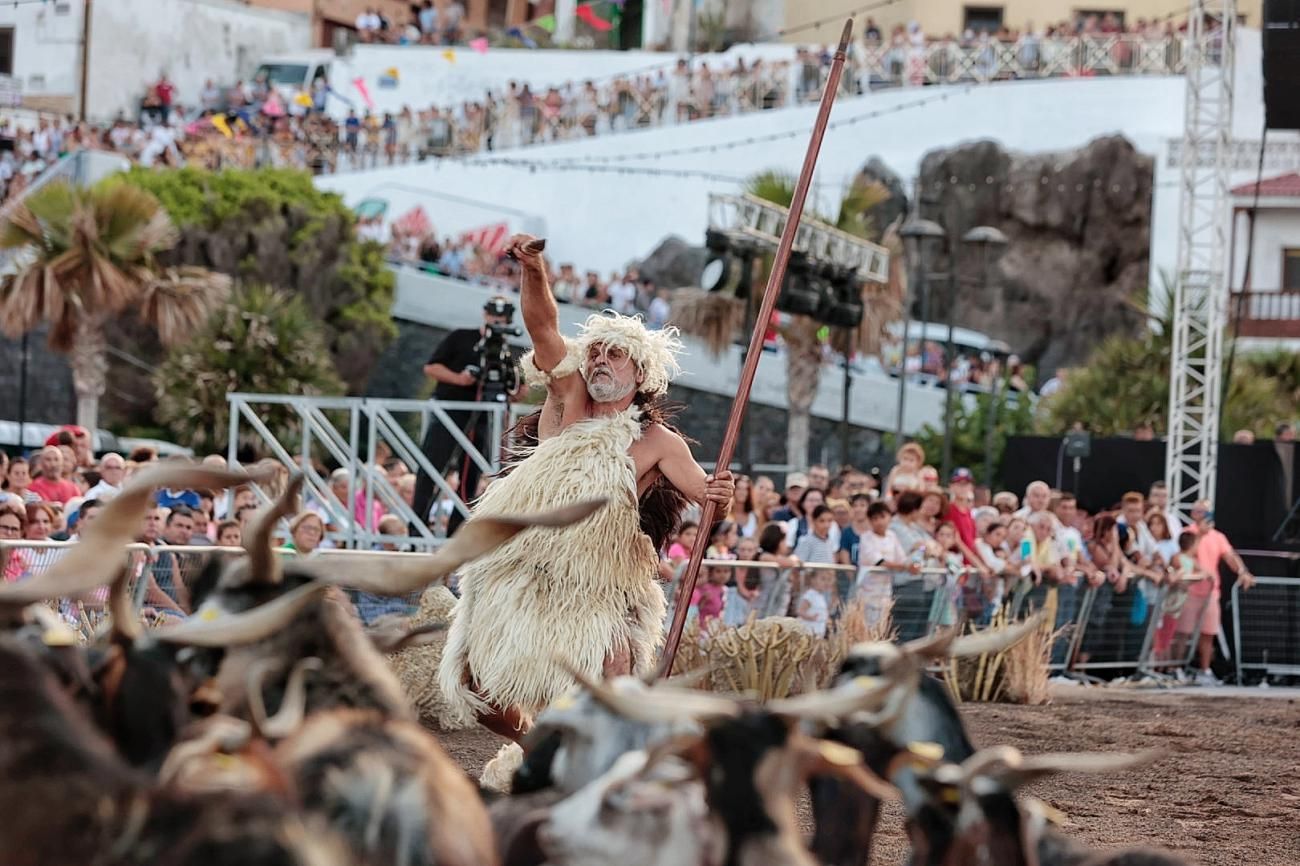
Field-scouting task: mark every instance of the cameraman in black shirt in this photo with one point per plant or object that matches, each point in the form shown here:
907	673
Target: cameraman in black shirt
460	364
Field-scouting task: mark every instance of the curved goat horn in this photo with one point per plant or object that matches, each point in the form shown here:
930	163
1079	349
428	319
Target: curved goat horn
96	558
994	640
126	625
475	538
293	707
857	695
263	564
654	706
210	626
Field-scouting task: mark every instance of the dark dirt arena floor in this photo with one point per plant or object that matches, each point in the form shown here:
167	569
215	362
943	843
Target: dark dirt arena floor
1227	794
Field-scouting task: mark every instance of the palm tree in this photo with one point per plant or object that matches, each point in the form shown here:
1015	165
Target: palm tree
263	340
1125	382
715	321
80	257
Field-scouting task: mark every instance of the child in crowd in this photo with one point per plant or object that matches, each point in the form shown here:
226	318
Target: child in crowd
680	550
708	597
722	544
814	608
910	458
819	546
742	595
1183	570
943	607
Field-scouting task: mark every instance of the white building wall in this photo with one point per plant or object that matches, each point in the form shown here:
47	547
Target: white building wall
1276	229
132	41
47	48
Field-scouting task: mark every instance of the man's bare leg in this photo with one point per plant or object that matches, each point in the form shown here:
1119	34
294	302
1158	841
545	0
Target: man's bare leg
618	661
508	723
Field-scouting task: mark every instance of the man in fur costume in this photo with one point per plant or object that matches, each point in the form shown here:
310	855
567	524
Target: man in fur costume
586	595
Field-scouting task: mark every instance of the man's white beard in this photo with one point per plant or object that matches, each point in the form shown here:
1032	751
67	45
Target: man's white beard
607	389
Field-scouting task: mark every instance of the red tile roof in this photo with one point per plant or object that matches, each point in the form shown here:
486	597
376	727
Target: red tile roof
1282	186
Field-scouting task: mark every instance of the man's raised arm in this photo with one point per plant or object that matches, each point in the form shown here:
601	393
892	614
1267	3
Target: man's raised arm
541	316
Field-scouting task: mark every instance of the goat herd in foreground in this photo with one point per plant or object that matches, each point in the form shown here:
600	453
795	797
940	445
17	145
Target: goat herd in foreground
268	730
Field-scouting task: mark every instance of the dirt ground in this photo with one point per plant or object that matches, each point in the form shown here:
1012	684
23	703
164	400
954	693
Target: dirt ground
1227	794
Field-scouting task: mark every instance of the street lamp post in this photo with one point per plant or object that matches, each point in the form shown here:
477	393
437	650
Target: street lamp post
917	235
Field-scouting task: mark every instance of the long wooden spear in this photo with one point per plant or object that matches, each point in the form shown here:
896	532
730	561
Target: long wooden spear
687	586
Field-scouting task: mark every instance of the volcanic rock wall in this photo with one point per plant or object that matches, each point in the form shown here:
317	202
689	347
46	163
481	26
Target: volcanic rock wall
1079	230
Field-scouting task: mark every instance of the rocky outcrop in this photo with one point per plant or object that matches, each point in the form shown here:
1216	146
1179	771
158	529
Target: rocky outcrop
1079	231
674	263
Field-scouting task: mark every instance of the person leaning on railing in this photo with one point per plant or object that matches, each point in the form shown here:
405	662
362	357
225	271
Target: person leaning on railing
14	562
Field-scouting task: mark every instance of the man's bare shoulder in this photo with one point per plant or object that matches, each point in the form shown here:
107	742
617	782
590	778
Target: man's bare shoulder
662	439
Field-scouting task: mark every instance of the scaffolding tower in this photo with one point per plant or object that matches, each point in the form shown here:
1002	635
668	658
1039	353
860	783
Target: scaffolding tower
1201	288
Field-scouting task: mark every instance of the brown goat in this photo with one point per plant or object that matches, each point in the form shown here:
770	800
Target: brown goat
69	799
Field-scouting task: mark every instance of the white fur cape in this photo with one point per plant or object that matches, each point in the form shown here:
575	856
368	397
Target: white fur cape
570	593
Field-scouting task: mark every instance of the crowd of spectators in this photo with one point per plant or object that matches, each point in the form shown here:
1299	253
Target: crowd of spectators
931	552
249	124
53	494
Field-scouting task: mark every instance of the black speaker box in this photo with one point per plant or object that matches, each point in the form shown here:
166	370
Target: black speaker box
1282	64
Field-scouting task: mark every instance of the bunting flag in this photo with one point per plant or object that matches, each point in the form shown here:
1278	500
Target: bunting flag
588	15
360	84
491	238
547	22
219	121
449	55
479	45
414	222
302	98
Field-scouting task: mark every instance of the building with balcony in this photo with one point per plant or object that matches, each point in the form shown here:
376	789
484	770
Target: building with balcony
951	18
1265	303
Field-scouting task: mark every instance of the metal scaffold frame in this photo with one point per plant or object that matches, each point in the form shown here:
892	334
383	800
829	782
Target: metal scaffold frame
1201	289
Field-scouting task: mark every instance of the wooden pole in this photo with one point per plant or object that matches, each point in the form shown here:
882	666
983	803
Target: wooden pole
687	586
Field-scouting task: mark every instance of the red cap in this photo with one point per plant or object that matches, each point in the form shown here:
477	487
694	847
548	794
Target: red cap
76	431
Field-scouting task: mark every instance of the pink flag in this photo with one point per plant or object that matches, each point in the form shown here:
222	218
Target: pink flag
491	238
479	45
360	85
414	222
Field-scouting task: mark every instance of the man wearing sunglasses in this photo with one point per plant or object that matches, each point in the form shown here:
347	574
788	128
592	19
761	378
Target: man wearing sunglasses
585	596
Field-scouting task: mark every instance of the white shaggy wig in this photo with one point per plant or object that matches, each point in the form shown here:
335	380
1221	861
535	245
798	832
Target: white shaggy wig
653	352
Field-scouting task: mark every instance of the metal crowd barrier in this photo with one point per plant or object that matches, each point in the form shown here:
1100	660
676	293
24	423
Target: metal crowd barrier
1266	627
917	603
155	569
1149	631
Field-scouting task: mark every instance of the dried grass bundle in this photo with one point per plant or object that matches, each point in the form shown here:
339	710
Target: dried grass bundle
417	667
1016	675
762	657
713	318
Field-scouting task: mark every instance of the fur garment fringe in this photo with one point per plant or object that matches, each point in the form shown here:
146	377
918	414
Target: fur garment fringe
573	593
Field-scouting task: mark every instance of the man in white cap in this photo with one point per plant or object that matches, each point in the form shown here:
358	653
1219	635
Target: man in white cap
585	596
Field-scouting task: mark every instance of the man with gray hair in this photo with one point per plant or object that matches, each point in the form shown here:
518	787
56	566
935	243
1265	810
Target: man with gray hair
112	470
586	597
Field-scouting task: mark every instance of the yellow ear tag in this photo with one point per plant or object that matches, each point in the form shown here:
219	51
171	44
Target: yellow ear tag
210	614
225	762
838	754
926	749
951	795
866	682
58	637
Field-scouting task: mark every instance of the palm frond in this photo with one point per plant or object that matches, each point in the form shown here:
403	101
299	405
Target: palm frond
180	300
772	185
712	318
856	203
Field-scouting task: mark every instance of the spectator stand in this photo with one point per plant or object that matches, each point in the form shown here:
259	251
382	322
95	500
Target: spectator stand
354	433
243	130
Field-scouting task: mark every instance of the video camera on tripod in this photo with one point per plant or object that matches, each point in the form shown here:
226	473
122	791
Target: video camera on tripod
495	370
